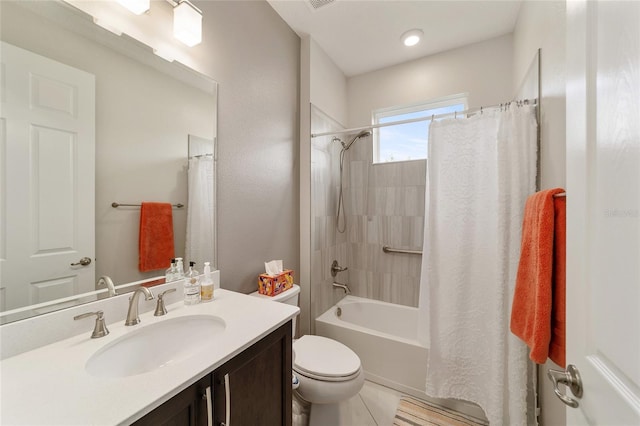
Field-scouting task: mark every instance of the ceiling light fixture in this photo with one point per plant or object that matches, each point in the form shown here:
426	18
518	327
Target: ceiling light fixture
411	37
187	23
136	6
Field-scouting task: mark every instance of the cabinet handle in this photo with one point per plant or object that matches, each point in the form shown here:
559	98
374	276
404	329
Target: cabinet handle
227	401
207	394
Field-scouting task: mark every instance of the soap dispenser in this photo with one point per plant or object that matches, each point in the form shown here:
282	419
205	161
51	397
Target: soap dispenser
206	286
191	286
171	273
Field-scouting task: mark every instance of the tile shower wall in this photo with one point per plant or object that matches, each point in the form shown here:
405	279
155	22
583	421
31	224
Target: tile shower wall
327	244
385	206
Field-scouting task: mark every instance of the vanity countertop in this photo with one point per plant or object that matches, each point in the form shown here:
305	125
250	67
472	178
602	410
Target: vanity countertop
50	386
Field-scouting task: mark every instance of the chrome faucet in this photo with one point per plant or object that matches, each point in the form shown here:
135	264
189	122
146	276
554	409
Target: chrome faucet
342	286
132	314
160	308
100	328
109	283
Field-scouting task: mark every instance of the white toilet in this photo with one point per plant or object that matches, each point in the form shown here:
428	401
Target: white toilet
328	371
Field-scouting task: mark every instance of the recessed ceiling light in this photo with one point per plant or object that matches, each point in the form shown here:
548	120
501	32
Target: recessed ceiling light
411	37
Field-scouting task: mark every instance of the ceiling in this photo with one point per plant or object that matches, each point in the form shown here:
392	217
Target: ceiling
364	35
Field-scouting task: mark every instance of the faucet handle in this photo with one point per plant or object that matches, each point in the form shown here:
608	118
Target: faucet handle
335	268
160	308
100	329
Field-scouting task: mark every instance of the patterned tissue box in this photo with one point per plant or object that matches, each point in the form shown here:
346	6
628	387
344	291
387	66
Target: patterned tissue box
271	286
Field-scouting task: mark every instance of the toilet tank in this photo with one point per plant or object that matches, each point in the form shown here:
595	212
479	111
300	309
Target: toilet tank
289	297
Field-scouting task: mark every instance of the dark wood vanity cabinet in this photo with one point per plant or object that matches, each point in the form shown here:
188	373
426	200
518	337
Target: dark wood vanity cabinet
255	385
189	407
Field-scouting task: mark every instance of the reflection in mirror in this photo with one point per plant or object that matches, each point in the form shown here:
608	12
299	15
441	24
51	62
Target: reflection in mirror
200	244
108	121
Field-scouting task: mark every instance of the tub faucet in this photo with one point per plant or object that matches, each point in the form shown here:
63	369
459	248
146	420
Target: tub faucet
342	286
108	283
132	314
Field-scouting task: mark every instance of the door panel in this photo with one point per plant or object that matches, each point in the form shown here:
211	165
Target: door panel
603	209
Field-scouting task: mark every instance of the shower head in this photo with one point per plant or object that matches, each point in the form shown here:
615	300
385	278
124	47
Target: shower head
362	134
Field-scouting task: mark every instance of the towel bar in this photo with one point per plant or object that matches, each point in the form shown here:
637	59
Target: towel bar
388	249
116	205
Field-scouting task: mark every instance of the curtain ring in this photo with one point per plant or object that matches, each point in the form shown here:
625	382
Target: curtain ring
432	116
480	110
455	115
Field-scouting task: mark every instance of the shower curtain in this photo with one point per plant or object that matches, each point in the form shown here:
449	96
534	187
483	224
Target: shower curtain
480	172
200	212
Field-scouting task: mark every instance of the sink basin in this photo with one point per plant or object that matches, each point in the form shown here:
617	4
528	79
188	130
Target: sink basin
155	346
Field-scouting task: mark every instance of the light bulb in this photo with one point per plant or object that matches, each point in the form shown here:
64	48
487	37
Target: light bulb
187	23
136	6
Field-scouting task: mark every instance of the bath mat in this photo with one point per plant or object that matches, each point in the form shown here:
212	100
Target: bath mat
413	412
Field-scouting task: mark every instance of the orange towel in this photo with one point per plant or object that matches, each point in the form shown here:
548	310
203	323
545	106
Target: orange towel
155	241
538	310
557	346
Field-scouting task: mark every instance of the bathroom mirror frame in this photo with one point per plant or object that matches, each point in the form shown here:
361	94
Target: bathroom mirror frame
82	24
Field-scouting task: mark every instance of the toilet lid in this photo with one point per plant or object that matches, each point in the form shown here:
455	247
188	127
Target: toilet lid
322	357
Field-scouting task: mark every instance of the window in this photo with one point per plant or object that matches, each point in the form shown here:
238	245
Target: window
408	141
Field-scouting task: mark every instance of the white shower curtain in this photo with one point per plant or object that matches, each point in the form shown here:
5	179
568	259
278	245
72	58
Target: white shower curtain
480	172
200	212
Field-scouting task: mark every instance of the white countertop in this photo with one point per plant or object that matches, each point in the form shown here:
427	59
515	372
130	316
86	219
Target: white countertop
49	385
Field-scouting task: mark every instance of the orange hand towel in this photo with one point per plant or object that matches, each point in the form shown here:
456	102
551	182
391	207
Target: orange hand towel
155	241
539	292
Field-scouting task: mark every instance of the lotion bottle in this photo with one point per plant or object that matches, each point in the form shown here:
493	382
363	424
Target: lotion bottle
206	286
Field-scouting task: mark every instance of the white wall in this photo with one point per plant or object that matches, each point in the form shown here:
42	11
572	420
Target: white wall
328	84
484	70
255	57
542	24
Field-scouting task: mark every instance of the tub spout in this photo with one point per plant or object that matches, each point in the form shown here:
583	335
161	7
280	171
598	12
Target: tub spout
342	286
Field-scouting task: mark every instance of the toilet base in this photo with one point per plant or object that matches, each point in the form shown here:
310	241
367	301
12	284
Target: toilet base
306	414
325	414
300	411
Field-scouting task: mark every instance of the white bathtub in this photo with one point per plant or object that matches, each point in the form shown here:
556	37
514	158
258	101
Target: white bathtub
385	337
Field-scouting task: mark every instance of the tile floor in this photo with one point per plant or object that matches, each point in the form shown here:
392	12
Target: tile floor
375	405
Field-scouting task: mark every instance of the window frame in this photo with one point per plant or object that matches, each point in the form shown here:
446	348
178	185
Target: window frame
381	113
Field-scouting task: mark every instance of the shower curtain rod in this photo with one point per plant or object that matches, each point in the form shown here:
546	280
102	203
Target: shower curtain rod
415	120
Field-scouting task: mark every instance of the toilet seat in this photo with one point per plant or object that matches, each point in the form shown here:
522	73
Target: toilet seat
324	359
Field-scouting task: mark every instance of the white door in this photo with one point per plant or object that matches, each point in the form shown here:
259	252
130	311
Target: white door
603	210
47	136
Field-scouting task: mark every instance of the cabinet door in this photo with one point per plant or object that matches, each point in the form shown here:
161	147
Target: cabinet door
255	386
188	408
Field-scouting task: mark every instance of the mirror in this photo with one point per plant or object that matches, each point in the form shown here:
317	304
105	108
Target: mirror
145	110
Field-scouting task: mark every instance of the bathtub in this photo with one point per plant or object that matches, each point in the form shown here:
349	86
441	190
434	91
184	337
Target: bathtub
385	337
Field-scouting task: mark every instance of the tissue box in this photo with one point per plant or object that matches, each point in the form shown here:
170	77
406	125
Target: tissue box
271	286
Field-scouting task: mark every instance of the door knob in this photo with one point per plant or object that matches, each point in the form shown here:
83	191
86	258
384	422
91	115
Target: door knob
570	378
82	262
